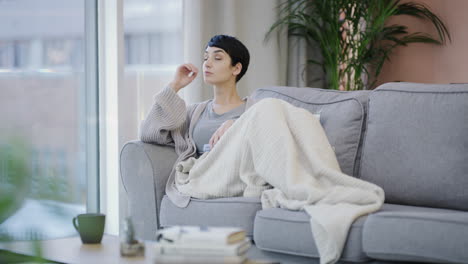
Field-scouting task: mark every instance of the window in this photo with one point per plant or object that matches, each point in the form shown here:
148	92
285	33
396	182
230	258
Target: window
163	48
43	106
63	52
7	54
153	48
14	54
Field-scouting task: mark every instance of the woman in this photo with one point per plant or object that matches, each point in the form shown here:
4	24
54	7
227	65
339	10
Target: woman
198	127
274	151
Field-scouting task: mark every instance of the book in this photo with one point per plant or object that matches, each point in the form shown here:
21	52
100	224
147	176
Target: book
166	259
199	249
200	234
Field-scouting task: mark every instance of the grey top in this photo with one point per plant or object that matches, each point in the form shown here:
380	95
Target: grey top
210	121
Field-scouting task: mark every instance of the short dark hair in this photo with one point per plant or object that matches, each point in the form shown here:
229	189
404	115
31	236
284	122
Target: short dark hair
236	50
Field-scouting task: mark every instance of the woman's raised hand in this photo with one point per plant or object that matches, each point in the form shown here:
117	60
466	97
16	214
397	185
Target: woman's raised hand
185	74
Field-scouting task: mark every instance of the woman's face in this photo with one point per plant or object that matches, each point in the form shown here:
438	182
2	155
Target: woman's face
217	67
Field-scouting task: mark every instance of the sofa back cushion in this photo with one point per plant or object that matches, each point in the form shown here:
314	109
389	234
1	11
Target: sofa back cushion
342	115
416	144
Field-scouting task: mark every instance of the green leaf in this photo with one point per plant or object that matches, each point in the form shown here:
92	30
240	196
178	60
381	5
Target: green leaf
369	41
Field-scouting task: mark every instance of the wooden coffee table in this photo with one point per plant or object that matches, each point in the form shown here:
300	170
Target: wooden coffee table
72	250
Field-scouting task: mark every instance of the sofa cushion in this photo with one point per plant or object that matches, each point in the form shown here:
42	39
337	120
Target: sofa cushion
416	144
290	232
235	211
410	233
342	116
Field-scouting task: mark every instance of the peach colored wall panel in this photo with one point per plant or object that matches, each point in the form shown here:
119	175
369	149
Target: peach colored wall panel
429	63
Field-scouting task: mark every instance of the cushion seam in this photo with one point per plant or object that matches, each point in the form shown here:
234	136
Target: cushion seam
286	252
427	92
223	202
289	96
295	253
407	255
274	89
417	218
295	221
364	141
192	200
356	168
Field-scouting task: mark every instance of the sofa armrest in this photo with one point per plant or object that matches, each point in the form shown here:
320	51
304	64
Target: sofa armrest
144	170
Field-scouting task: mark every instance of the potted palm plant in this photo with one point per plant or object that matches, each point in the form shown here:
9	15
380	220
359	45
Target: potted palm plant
354	36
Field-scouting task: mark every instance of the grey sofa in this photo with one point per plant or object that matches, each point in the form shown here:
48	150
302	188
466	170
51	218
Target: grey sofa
411	139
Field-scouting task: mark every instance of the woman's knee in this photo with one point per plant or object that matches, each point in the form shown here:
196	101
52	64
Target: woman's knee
268	104
267	109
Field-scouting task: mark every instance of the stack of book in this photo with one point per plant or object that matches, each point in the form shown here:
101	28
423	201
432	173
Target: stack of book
193	244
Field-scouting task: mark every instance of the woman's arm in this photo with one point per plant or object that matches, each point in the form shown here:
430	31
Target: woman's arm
169	111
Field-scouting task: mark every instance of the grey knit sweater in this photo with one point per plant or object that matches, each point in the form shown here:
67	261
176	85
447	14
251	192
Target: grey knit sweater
171	122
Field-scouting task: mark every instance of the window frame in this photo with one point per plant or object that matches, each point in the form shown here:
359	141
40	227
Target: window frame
92	106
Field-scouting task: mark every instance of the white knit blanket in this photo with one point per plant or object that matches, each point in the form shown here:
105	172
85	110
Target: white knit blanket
280	153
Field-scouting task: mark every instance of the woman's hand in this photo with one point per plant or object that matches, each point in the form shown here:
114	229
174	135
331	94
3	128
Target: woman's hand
220	132
185	74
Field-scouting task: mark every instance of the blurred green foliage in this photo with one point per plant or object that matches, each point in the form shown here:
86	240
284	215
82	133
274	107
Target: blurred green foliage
15	180
15	175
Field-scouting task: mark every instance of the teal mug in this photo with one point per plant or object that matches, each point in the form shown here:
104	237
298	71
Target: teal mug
90	227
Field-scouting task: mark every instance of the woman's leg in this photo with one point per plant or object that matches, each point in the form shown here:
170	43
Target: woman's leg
287	147
273	143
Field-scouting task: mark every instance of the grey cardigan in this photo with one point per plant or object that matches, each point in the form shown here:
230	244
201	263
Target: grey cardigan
170	122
